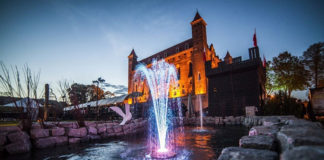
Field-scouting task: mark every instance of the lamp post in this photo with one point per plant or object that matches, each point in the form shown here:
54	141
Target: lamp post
97	82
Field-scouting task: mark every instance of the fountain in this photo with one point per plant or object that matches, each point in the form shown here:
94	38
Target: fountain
162	133
201	111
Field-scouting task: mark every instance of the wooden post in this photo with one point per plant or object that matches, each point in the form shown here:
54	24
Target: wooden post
46	101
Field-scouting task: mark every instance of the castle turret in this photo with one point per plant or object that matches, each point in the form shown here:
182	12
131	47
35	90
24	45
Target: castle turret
228	58
200	48
132	61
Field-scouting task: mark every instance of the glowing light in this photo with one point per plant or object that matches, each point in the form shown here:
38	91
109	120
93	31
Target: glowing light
158	78
163	150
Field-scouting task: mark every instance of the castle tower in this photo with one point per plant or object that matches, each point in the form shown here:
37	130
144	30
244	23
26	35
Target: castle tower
132	61
198	57
228	58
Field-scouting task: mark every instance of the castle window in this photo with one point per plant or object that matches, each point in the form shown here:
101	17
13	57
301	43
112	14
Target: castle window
186	46
199	76
179	73
190	70
177	49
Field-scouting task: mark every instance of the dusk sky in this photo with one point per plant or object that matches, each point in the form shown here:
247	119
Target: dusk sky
81	40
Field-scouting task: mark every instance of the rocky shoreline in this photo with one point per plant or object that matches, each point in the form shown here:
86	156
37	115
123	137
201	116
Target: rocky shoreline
270	137
15	141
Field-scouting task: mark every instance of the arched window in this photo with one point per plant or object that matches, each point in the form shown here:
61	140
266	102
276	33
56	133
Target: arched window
199	76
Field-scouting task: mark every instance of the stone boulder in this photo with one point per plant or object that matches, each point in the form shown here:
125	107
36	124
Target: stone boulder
303	122
19	147
57	131
36	126
304	153
9	129
106	135
90	124
74	140
237	153
264	130
3	140
92	130
101	128
80	132
270	120
18	136
258	142
68	125
284	119
290	137
39	133
61	140
110	130
118	129
45	142
126	127
94	137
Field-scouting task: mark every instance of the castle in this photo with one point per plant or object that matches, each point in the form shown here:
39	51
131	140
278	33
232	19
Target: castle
190	58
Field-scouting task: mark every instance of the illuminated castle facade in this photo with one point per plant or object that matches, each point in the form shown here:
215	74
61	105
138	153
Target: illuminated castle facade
190	58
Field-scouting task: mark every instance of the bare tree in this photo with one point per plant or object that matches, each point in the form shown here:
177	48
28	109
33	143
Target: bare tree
13	86
63	86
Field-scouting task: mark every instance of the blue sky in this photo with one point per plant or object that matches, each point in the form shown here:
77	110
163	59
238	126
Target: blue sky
80	40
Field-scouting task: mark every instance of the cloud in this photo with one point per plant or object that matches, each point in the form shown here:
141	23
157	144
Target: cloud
116	89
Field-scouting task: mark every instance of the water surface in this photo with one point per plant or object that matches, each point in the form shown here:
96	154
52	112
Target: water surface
196	144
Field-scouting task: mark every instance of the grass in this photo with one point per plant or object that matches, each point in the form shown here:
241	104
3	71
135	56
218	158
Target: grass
8	123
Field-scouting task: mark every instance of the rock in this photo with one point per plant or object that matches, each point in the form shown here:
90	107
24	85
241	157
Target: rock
68	125
304	153
18	147
3	140
290	137
269	121
101	128
74	140
92	130
105	135
61	140
118	129
302	122
119	134
126	127
9	129
18	136
110	130
258	142
50	125
90	124
57	131
80	132
36	126
264	130
284	119
94	137
45	142
39	133
236	153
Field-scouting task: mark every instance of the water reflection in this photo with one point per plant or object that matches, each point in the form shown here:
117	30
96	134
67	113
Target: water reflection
194	144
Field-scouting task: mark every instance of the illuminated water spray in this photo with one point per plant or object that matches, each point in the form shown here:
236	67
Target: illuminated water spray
159	78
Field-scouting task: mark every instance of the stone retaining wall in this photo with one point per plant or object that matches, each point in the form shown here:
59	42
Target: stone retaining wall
15	141
270	137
